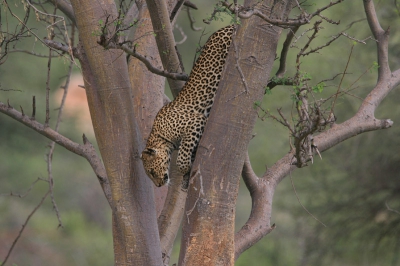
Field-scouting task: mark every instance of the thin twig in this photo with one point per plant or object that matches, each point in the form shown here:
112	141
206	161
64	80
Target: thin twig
86	150
390	209
192	20
22	229
33	108
304	18
46	123
23	195
184	36
52	146
341	80
298	199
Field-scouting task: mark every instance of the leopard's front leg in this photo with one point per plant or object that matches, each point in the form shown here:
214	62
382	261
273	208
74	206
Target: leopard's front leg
193	131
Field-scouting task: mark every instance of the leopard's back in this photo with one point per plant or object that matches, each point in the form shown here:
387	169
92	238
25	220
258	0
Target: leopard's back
180	124
199	92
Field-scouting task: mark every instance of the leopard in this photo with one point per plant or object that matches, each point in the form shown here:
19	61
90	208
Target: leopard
179	125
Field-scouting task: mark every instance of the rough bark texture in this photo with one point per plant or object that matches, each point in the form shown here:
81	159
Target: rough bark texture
208	230
109	97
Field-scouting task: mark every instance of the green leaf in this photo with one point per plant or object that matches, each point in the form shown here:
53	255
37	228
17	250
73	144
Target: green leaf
375	65
319	87
256	104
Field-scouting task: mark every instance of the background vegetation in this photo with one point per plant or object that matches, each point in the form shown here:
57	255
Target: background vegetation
353	190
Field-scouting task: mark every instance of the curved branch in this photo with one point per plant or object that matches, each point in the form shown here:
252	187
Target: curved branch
382	38
262	191
65	7
150	67
258	224
86	150
249	177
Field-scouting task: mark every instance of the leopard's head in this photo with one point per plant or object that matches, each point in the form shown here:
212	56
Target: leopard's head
156	165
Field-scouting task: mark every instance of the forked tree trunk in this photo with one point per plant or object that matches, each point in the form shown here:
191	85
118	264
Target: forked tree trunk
136	240
208	229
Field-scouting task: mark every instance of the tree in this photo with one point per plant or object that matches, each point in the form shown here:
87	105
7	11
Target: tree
124	97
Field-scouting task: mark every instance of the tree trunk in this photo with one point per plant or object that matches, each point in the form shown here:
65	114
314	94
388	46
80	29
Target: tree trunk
208	229
147	88
135	233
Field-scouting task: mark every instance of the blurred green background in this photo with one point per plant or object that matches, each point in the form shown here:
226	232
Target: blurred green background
354	189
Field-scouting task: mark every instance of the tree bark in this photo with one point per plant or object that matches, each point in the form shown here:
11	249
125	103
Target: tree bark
208	229
160	18
110	103
147	88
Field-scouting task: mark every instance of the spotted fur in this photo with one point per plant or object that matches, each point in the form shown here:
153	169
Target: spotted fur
180	124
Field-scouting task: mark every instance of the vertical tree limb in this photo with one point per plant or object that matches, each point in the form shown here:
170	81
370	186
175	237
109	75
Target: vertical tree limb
208	231
147	88
110	103
165	41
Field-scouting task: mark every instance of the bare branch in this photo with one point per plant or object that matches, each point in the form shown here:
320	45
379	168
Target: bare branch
22	195
304	18
52	145
259	223
190	5
390	209
285	49
65	7
165	41
184	36
192	21
150	67
46	123
23	227
31	53
59	46
249	177
86	150
175	11
383	39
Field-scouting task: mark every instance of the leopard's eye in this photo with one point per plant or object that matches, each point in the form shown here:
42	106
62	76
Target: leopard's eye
152	173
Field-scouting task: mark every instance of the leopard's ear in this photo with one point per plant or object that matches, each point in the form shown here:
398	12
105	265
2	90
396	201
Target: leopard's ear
148	151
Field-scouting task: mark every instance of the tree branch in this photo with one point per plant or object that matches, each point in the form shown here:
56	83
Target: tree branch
170	218
86	150
65	7
285	49
382	38
261	192
258	223
246	13
165	41
150	67
23	227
